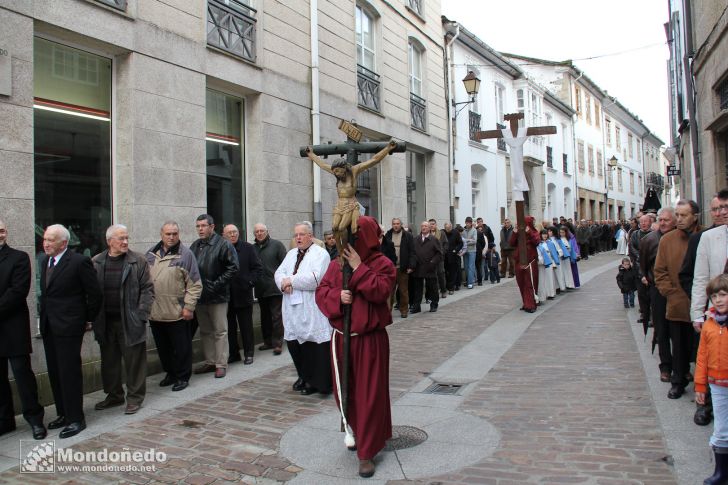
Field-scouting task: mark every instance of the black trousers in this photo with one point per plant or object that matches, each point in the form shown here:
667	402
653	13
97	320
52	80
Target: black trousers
452	270
313	363
661	328
682	337
27	390
584	250
63	356
643	296
271	320
431	290
174	346
479	267
243	318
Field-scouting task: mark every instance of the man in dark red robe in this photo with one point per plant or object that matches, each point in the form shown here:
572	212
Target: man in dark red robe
371	284
527	275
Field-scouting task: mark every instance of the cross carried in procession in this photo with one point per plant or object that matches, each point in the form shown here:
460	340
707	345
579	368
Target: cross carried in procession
515	137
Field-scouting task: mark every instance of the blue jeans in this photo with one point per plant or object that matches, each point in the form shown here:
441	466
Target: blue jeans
469	264
720	413
628	298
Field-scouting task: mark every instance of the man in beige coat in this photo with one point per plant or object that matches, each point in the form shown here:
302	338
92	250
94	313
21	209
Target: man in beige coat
668	263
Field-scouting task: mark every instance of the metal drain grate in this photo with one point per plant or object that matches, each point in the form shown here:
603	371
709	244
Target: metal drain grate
405	437
446	389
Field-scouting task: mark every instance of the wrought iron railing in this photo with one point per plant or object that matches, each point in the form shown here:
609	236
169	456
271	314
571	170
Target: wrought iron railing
566	163
367	86
418	111
231	27
549	157
655	180
474	125
501	141
117	4
415	5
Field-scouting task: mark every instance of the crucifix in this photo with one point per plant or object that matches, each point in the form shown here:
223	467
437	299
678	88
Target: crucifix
345	215
515	137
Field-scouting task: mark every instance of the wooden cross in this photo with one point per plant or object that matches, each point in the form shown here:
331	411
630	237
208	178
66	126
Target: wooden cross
520	215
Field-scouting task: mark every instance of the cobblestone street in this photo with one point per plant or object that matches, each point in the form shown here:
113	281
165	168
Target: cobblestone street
560	396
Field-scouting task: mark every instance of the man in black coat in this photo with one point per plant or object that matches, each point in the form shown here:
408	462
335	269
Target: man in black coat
429	254
485	237
405	263
70	300
240	308
15	345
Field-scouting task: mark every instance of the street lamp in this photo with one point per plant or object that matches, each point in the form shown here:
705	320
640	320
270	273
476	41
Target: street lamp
612	162
472	85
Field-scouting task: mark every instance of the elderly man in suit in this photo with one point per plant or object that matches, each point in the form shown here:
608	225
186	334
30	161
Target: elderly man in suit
15	345
70	300
429	254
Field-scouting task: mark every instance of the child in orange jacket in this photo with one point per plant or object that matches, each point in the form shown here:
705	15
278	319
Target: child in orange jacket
711	368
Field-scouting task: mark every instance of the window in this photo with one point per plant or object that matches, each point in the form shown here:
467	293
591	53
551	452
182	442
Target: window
600	163
639	184
231	27
416	6
597	114
117	4
499	97
631	182
587	107
415	187
580	154
577	99
367	79
224	153
72	144
608	130
618	137
619	179
535	110
521	104
610	179
590	159
418	106
630	143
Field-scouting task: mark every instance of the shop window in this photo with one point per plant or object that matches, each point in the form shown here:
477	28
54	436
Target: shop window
224	151
72	144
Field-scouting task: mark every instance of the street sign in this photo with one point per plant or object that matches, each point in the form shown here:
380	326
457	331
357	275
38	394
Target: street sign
351	131
671	171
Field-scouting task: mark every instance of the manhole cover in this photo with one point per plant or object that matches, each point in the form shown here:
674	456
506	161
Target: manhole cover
441	388
405	437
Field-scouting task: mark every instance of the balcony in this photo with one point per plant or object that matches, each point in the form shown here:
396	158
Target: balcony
367	84
474	125
418	111
501	141
117	4
549	157
231	27
566	163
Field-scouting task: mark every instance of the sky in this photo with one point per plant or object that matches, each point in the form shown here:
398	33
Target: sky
627	38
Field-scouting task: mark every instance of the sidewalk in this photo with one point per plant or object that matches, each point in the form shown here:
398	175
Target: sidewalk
558	396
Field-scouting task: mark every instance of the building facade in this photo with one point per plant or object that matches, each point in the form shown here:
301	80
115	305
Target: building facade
140	111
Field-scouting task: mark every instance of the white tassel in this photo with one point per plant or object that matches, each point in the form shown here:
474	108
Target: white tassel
349	440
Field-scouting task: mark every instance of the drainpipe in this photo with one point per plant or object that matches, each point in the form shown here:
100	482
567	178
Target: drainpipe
450	120
315	120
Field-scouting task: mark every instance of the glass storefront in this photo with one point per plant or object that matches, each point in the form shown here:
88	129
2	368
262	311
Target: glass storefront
224	149
72	136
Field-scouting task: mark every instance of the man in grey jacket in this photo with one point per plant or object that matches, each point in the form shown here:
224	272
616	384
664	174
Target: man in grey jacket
121	326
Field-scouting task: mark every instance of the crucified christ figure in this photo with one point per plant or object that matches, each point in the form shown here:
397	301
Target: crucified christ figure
346	210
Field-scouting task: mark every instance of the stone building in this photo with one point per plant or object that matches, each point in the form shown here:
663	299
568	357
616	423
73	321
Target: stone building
139	111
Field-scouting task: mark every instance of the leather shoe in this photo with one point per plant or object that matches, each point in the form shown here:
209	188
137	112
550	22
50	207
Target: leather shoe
366	468
308	390
675	391
167	381
107	403
132	408
179	385
277	351
39	431
665	376
703	415
403	315
234	358
248	360
265	347
72	429
59	422
205	368
529	310
415	309
433	309
298	385
220	372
